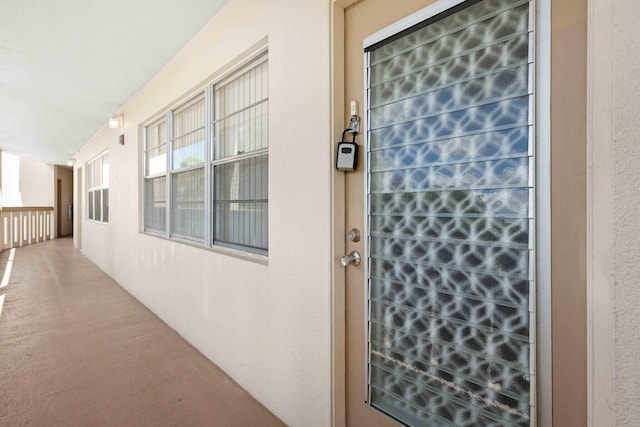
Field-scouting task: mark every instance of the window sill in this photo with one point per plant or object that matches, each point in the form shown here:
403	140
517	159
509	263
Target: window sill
235	253
97	222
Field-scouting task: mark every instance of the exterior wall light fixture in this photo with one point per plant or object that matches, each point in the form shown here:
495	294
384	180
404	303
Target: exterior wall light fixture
116	121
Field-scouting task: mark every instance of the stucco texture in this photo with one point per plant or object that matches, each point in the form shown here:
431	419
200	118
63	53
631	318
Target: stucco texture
267	326
626	268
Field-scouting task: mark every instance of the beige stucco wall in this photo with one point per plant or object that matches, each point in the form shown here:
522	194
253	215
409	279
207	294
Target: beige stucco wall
626	259
268	326
614	205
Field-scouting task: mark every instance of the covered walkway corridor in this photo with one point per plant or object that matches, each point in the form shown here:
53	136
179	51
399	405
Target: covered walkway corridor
76	349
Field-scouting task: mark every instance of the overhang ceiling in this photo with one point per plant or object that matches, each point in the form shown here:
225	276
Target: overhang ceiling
66	65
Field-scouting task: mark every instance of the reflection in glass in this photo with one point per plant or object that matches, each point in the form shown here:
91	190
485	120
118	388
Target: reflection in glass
449	220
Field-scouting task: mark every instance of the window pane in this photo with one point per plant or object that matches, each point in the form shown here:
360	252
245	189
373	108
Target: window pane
241	113
105	205
241	203
89	175
187	204
242	225
97	172
156	134
189	135
155	204
105	171
97	197
156	148
97	179
90	204
156	160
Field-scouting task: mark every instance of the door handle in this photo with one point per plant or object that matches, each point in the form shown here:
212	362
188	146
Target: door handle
353	258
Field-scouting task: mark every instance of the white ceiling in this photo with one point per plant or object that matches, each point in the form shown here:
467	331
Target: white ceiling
66	65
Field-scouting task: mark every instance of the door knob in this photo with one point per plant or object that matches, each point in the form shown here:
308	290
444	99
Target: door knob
353	258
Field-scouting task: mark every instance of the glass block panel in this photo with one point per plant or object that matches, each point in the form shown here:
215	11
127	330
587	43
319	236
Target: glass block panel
509	143
241	203
503	173
450	221
486	23
155	204
495	116
432	102
187	204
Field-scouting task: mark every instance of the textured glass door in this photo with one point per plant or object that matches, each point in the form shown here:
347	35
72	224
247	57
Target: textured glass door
450	181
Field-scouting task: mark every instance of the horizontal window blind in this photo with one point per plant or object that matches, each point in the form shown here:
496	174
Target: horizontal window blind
241	202
187	204
240	165
187	186
188	141
155	178
206	164
241	112
156	148
155	204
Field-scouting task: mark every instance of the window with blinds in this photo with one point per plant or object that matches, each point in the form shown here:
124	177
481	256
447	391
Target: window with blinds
212	188
155	179
188	151
240	161
451	224
98	188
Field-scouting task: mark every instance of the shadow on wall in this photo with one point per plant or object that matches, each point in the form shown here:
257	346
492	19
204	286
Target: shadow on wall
26	182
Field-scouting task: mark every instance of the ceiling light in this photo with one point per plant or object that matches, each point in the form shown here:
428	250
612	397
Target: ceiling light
116	121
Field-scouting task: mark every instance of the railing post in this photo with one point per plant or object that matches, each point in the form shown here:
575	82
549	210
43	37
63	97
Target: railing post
3	228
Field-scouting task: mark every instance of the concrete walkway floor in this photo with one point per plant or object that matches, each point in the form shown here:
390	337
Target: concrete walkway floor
77	350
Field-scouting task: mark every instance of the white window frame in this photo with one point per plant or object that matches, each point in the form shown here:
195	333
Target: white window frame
208	242
149	175
90	166
175	170
236	157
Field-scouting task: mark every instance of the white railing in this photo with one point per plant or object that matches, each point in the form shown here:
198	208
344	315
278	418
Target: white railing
21	226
